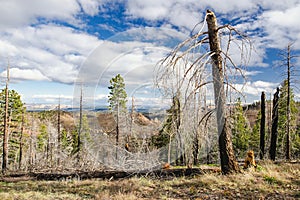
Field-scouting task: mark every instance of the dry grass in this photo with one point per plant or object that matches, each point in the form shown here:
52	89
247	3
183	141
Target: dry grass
269	181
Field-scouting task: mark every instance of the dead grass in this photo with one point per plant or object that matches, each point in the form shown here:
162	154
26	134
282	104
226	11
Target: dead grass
269	181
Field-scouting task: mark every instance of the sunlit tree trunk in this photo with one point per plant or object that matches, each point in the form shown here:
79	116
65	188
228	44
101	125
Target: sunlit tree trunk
21	142
228	161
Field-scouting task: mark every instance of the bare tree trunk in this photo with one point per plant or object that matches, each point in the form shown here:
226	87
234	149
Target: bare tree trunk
228	160
117	131
21	142
80	127
262	126
58	134
30	150
274	126
288	106
6	133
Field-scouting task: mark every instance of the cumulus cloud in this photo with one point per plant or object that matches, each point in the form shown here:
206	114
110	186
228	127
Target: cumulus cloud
15	13
133	54
48	41
255	88
55	51
24	74
281	26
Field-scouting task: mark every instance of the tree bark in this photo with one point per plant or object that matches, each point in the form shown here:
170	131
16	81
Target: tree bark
274	131
6	133
228	160
21	141
58	133
288	106
262	126
80	127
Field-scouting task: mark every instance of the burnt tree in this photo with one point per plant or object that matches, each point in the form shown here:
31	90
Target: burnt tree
274	131
228	160
262	126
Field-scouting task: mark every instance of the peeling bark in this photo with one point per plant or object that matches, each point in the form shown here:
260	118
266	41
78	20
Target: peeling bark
228	160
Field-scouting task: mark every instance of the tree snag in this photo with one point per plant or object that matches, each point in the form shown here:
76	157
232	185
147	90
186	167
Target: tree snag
6	133
262	126
274	131
228	160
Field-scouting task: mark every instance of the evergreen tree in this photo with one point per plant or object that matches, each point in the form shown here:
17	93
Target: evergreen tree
282	118
84	136
255	135
117	101
240	131
117	98
15	112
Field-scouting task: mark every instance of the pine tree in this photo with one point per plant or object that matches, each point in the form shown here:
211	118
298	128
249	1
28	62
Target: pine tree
117	101
15	112
117	98
254	139
240	131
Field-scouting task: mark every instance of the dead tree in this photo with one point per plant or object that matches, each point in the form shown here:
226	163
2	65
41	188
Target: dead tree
262	126
228	161
58	133
6	133
78	148
274	131
189	61
287	60
21	140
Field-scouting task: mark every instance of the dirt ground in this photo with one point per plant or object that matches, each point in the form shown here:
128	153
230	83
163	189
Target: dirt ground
268	181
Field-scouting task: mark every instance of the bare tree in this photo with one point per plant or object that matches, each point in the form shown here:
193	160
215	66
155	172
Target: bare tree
6	133
287	62
262	126
79	126
58	133
228	162
274	131
21	140
188	61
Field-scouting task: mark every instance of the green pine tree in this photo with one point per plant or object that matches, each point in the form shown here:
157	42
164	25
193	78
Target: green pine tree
241	132
16	109
117	102
117	98
255	135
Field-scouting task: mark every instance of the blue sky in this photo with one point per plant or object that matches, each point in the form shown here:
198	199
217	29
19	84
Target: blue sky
54	45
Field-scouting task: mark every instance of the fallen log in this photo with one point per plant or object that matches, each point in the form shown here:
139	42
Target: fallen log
106	174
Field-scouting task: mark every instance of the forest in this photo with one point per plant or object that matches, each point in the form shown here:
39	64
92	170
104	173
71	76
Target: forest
191	150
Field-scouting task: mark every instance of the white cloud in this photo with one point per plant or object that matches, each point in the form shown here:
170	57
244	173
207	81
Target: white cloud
281	26
134	54
255	88
91	7
150	10
51	96
15	13
24	74
55	51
